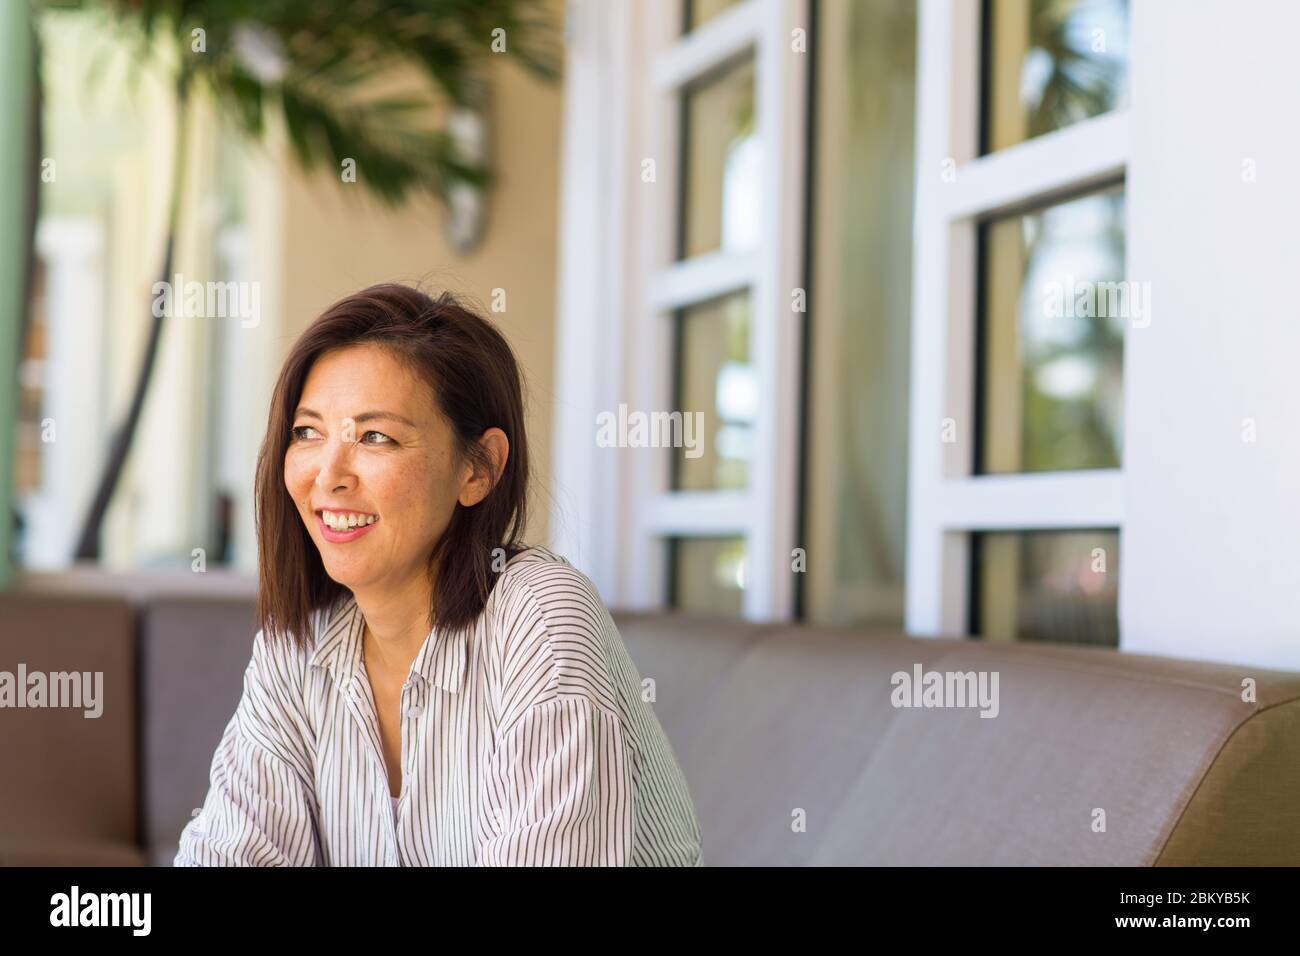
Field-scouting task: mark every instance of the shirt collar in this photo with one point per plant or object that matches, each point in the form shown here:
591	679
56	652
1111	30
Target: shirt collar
441	661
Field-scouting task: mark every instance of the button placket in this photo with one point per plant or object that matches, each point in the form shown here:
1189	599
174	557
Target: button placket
411	710
357	704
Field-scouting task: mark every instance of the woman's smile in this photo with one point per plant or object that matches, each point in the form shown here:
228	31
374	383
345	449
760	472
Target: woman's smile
341	527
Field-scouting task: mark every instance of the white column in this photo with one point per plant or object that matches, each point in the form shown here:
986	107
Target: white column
72	249
1210	554
591	304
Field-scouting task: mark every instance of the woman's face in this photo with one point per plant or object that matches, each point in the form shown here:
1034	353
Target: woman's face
372	467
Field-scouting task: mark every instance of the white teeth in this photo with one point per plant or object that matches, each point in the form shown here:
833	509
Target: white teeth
346	521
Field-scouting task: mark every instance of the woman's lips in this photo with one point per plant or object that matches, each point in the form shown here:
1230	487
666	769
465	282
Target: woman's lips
341	537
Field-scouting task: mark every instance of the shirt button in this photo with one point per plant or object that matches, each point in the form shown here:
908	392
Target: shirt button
415	710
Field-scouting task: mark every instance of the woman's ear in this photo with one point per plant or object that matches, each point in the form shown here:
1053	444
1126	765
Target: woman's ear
476	487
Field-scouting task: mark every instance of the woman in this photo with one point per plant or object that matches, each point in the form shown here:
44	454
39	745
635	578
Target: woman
424	690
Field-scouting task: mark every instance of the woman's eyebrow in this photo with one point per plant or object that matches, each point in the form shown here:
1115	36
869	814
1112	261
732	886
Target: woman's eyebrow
391	416
304	412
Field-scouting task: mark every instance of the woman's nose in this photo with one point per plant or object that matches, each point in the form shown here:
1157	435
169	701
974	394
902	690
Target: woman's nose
335	471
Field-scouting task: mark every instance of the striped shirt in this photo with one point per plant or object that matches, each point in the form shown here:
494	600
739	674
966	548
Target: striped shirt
526	740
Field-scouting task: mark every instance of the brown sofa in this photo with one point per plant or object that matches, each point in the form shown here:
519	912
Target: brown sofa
794	753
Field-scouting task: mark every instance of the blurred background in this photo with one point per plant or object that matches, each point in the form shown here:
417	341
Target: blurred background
985	305
317	152
110	128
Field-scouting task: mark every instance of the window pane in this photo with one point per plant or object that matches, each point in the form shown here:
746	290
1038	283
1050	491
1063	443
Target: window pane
1051	356
1046	586
1051	63
721	161
717	395
708	575
854	508
696	12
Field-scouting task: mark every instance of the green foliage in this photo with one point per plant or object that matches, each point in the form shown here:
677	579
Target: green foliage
319	64
1081	83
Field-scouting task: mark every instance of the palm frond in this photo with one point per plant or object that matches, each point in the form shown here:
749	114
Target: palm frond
331	54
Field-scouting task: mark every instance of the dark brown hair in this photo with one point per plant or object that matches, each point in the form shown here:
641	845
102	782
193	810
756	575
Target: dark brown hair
475	384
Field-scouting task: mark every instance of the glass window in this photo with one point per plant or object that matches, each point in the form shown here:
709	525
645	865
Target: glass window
860	315
1051	63
696	12
721	162
1057	586
716	393
1050	378
707	575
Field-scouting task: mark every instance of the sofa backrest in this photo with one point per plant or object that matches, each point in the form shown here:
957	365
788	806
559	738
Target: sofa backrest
193	653
791	746
119	789
68	783
795	754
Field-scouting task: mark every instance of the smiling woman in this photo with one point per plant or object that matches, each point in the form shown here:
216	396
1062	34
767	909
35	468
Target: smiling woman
411	648
394	405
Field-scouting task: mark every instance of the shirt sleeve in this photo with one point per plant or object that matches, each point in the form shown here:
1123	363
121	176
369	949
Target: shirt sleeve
559	789
257	810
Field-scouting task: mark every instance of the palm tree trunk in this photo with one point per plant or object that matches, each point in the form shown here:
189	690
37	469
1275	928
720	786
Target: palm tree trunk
15	247
88	545
35	154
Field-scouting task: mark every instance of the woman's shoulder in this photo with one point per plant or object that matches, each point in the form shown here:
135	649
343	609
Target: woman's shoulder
545	611
540	577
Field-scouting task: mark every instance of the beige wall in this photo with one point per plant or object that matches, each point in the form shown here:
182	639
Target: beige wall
335	240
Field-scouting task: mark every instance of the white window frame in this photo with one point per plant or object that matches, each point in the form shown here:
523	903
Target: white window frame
947	502
612	512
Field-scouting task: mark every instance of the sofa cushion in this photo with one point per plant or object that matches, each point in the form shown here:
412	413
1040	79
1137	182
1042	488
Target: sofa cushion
68	778
50	852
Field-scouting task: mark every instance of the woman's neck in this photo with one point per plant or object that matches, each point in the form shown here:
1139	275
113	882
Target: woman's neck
397	620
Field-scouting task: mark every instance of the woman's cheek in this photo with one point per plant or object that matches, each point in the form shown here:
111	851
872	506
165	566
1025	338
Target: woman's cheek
296	474
417	488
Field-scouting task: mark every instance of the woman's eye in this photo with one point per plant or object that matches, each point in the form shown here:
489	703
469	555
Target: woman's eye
303	432
375	438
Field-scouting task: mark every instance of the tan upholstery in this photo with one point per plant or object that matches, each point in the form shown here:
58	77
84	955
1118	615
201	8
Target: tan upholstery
791	746
1246	809
800	718
69	783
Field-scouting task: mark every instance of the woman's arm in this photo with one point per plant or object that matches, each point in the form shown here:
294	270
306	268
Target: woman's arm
559	790
258	808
